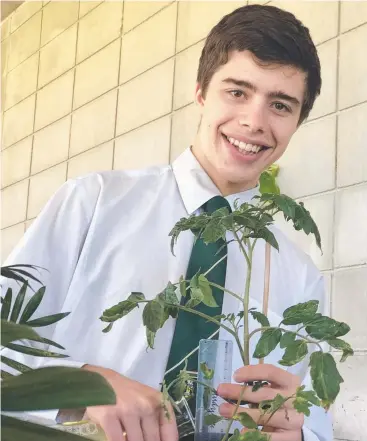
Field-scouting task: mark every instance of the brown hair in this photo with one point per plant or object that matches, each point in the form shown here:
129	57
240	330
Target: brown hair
272	35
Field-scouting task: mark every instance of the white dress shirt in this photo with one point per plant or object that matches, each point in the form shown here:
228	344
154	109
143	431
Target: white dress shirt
105	235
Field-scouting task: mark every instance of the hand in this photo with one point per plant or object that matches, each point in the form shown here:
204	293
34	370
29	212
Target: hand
286	424
138	414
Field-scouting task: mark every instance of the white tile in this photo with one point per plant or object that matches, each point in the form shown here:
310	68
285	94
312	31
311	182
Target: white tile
93	124
158	32
10	237
349	298
352	68
86	6
353	13
15	162
349	411
326	102
43	186
321	208
141	102
95	160
5	28
135	12
104	65
144	147
93	32
352	146
350	226
14	204
23	13
311	152
51	145
57	17
185	124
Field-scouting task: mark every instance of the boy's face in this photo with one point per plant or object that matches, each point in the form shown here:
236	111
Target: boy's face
247	106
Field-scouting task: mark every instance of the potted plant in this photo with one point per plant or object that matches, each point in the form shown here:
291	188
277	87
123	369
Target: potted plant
248	223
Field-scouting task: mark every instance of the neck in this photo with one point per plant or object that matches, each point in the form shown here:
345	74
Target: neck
224	186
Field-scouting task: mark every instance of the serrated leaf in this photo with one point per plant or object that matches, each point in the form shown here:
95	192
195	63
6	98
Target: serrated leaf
47	320
325	377
268	342
182	287
11	331
32	305
168	295
268	183
287	339
54	388
150	338
206	290
260	317
34	351
210	419
213	231
15	364
341	345
300	313
153	315
323	327
18	304
246	420
254	436
302	406
122	308
308	395
5	310
294	353
267	235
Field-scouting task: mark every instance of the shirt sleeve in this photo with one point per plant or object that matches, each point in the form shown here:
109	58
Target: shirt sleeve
54	243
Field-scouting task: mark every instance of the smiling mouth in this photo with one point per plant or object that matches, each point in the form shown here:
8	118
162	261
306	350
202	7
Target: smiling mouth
244	148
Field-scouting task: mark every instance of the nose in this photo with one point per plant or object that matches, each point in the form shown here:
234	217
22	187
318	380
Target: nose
253	119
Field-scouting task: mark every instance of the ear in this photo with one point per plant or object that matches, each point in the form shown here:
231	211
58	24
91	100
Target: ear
199	99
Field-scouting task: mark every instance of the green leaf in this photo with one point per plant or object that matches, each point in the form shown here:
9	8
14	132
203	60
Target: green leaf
196	293
15	364
206	290
9	271
34	351
13	331
341	345
287	339
182	287
49	342
308	395
246	420
150	338
270	406
294	353
107	328
323	327
268	183
122	308
267	342
210	419
214	231
5	310
254	436
267	235
208	373
54	388
300	313
325	377
32	305
302	406
18	304
47	320
153	315
13	429
260	317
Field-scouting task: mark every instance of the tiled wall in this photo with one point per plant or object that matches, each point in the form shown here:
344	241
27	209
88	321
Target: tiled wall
100	85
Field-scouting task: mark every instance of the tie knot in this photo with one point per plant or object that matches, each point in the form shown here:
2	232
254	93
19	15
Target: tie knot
216	203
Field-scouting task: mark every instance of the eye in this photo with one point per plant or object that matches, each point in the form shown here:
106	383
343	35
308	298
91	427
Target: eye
237	93
281	107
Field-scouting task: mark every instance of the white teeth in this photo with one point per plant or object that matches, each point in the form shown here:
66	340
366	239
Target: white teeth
243	146
237	143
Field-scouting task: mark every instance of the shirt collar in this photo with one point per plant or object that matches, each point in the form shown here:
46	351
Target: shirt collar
196	187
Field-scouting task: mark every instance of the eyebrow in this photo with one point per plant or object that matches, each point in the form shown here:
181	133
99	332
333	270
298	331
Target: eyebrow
276	94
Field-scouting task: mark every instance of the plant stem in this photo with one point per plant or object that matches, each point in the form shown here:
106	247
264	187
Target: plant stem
234	413
242	247
246	303
286	330
236	296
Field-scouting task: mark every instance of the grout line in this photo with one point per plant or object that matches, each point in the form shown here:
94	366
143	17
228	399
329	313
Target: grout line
331	191
347	267
118	87
34	118
73	92
173	89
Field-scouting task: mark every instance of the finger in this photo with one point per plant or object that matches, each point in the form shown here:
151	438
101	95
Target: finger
150	427
286	435
112	428
267	372
282	419
133	429
167	424
233	392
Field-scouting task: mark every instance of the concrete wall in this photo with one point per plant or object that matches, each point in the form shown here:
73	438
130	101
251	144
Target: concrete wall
107	85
